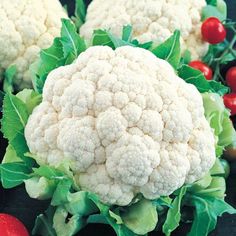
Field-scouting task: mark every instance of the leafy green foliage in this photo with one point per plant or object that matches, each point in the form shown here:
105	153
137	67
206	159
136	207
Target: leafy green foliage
44	223
207	211
64	50
72	43
30	98
219	119
80	13
170	50
140	217
10	155
105	38
127	33
61	193
67	226
16	167
9	77
212	2
15	116
196	77
13	174
215	8
49	173
222	53
73	208
173	215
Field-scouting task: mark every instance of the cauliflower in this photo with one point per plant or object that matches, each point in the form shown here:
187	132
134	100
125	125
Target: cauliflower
152	20
126	123
26	26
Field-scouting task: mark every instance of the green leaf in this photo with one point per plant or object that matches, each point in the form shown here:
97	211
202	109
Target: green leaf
80	13
79	203
186	57
127	33
163	201
219	119
140	217
15	116
201	184
44	224
30	98
9	76
80	10
100	37
20	146
219	88
67	226
218	168
64	50
117	42
50	59
106	38
170	50
212	2
72	43
116	217
13	174
40	188
49	172
207	211
228	57
120	229
10	155
174	215
212	11
195	77
61	193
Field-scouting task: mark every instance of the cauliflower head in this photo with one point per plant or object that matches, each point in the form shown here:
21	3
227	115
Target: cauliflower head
126	123
152	20
26	26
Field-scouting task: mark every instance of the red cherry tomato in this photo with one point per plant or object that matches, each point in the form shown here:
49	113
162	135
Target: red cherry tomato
11	226
205	69
230	102
213	31
231	78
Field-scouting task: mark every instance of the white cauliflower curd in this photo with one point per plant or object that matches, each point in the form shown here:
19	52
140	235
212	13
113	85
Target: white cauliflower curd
26	26
152	20
126	122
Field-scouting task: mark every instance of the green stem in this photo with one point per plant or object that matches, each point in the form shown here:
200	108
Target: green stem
219	59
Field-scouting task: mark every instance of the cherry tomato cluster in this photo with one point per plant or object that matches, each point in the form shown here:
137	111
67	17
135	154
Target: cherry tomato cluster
214	32
230	99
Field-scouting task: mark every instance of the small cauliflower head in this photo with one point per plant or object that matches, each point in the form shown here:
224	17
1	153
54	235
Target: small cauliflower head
152	20
26	26
126	123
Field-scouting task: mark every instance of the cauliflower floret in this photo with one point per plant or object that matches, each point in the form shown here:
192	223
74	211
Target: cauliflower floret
152	20
26	27
125	122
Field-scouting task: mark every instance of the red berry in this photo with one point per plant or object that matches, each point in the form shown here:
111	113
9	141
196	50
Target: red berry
213	31
231	78
11	226
205	69
230	102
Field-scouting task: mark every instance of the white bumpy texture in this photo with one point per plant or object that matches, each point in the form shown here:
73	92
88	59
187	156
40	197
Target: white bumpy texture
126	123
26	26
152	20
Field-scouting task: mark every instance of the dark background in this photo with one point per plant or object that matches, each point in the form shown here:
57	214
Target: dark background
16	201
